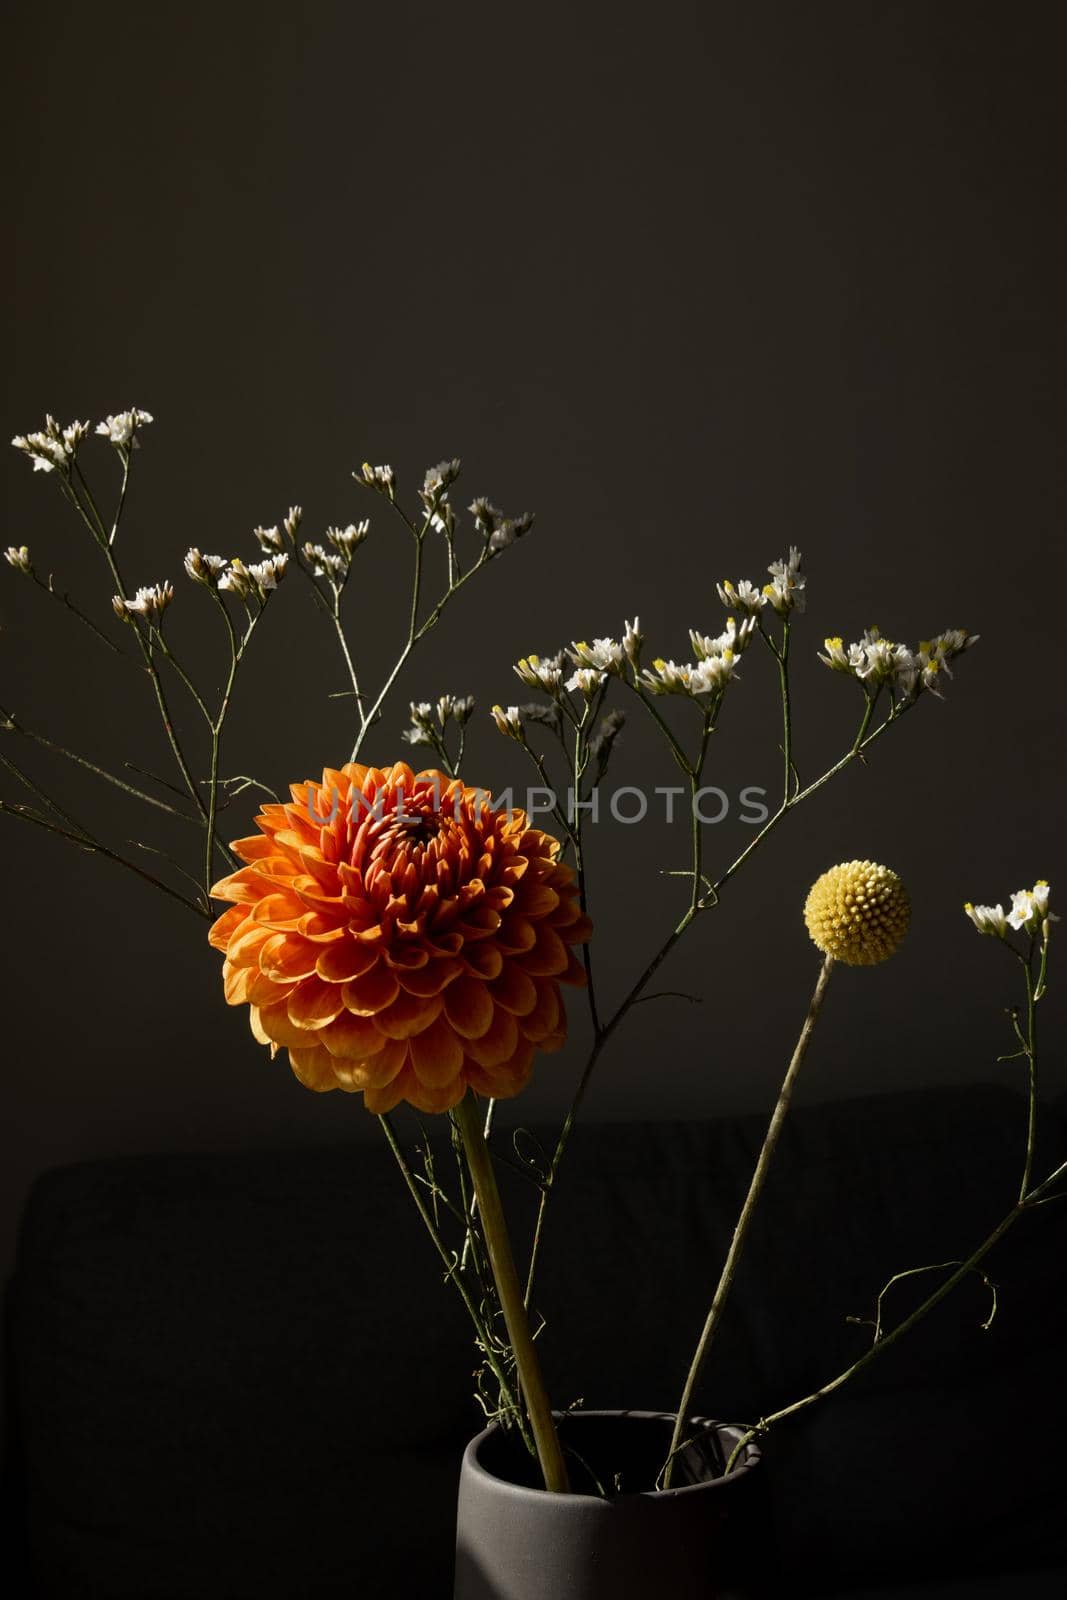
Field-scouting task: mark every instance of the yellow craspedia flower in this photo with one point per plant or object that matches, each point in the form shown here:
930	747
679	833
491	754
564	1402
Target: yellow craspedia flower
858	912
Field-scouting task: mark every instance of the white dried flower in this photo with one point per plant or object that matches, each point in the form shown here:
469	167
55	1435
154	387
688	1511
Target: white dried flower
268	539
1029	907
785	592
603	655
988	919
587	681
382	478
732	638
744	596
348	539
666	677
538	673
19	558
203	568
632	640
121	430
237	579
293	521
508	722
712	673
268	574
52	447
149	602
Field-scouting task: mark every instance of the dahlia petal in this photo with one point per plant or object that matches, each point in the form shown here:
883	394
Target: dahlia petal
282	912
273	1021
408	1014
322	929
244	947
264	991
406	957
344	960
436	1054
515	990
314	1068
223	929
324	872
371	991
383	1099
257	1027
483	960
506	1079
352	1037
313	1003
235	983
545	1016
285	957
517	934
552	1042
498	1043
433	1098
536	899
254	848
549	956
469	1007
432	978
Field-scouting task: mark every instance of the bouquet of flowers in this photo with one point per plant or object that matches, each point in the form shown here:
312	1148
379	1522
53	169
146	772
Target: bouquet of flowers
407	936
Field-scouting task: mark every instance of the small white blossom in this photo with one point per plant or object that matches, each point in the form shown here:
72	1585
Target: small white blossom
712	673
587	680
667	677
632	640
457	706
744	596
508	722
293	521
52	447
268	574
149	602
19	558
121	430
733	638
1029	907
603	655
785	592
268	539
541	674
203	568
382	478
346	540
237	579
988	919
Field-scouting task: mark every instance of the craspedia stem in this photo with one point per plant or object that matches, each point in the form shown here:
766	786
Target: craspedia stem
744	1221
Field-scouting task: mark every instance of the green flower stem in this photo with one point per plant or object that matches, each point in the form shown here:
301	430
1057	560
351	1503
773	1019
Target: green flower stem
744	1221
1033	1199
495	1233
452	1273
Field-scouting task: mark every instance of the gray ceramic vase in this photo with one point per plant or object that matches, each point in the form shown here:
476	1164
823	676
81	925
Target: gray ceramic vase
515	1541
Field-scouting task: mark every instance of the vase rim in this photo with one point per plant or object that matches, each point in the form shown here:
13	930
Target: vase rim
749	1459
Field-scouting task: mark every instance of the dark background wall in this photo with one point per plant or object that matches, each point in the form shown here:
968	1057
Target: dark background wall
693	286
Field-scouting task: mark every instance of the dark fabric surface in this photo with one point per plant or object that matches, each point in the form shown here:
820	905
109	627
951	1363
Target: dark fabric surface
241	1376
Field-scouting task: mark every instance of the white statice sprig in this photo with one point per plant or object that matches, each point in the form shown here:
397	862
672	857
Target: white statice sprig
18	556
203	568
988	919
149	603
382	479
587	681
1029	908
52	448
603	655
743	596
508	721
875	661
785	592
542	672
632	641
122	429
734	638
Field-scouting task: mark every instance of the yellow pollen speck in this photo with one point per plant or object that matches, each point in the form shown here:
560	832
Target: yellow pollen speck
659	663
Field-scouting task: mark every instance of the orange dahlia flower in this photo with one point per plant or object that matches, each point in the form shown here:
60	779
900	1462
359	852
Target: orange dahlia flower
401	939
